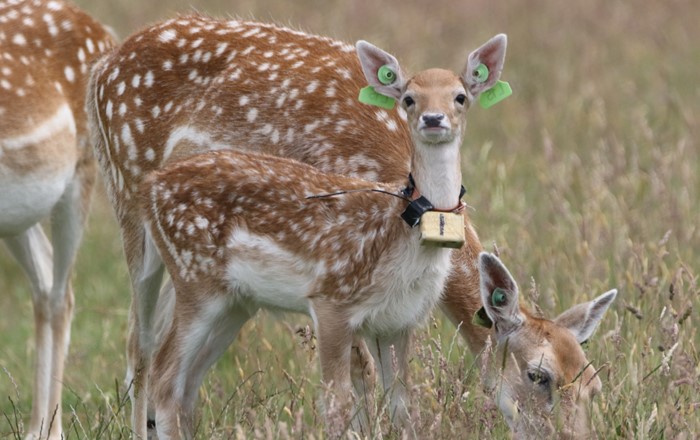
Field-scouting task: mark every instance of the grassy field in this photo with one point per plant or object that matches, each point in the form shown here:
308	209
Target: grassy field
586	179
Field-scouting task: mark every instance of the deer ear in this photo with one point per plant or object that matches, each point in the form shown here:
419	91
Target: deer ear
492	55
583	319
499	294
372	59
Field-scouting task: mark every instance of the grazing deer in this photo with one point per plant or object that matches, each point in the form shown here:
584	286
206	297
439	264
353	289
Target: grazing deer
46	170
200	84
538	375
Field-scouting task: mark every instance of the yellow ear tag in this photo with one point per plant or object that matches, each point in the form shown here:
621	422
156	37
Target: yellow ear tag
442	229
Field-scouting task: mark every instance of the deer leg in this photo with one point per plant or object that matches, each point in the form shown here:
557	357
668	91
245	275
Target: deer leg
198	336
334	346
67	225
222	333
146	270
364	381
34	253
390	354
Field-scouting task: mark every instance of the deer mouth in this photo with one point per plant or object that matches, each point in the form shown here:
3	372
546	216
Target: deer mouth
435	134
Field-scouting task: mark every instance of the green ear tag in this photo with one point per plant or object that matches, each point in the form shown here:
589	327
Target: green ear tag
481	319
481	73
369	96
495	94
498	297
386	75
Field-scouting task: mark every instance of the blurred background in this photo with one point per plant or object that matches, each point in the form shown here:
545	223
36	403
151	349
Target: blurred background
585	179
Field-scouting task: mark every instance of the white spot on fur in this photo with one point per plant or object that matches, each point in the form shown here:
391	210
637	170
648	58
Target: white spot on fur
19	40
108	110
70	73
220	48
167	35
148	79
150	155
252	115
313	85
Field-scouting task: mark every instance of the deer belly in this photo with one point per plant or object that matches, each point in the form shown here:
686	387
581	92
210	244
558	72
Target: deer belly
262	271
36	165
26	200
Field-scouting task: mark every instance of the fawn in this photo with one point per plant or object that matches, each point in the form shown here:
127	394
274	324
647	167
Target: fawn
238	232
202	84
47	170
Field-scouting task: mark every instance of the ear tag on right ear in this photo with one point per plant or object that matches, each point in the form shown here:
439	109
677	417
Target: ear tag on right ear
481	73
500	91
369	96
498	297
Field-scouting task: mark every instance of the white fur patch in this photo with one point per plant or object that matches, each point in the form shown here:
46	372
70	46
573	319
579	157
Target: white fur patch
264	272
412	286
28	199
191	134
60	121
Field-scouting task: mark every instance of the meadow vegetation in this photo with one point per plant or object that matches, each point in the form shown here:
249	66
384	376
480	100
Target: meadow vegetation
586	179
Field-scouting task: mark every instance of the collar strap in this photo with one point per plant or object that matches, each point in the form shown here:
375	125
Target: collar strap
419	205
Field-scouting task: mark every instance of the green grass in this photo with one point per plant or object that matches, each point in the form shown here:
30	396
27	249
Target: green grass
586	179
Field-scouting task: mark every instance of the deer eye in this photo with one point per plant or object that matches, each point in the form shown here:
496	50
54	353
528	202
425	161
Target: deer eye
408	101
461	98
539	377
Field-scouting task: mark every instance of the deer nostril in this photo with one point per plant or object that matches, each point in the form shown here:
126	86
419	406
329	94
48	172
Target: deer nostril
433	119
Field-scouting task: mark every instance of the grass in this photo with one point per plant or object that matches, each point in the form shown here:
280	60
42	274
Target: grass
586	179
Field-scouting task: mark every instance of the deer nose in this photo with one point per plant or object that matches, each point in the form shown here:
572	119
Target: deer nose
432	120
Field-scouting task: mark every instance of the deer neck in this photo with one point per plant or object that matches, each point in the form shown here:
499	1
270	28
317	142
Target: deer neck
436	170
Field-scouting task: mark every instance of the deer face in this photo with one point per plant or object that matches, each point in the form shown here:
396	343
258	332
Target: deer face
547	383
435	100
539	375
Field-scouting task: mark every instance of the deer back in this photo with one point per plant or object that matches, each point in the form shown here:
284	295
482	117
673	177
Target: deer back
195	83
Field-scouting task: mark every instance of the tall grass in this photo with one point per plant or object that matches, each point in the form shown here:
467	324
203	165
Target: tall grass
586	179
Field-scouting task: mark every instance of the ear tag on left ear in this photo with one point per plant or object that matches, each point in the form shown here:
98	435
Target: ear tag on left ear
500	91
369	96
480	318
498	297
